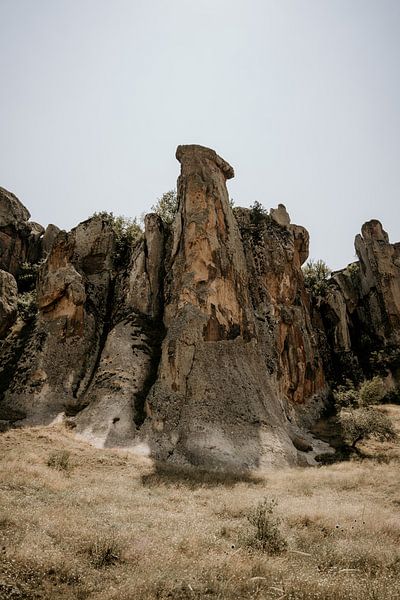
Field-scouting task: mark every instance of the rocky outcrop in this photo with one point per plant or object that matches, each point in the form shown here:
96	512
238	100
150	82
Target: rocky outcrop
8	302
275	250
214	401
380	281
183	376
72	299
129	357
197	343
48	239
361	308
20	239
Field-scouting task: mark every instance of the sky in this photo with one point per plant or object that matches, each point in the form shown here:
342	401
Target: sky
301	97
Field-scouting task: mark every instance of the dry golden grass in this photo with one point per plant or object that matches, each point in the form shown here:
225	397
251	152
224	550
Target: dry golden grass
112	526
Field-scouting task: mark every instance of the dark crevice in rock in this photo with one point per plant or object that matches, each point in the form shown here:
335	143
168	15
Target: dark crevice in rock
106	328
11	352
154	332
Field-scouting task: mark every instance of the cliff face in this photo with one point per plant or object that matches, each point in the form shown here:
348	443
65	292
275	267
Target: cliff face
200	345
216	399
361	311
275	250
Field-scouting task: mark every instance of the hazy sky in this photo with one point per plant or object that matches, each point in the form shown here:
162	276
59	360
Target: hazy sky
302	97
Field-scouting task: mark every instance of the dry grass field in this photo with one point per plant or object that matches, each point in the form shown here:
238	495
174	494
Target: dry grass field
76	522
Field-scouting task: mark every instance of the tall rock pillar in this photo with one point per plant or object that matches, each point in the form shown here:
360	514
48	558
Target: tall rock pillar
214	401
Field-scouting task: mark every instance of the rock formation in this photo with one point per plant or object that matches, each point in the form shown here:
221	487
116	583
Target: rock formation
8	301
19	238
361	311
197	343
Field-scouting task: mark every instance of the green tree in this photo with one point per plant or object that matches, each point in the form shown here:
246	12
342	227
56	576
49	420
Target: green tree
127	232
360	423
166	207
316	273
258	213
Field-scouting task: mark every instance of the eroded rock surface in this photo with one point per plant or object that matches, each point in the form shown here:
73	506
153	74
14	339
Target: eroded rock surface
198	343
8	301
214	402
275	251
20	239
361	311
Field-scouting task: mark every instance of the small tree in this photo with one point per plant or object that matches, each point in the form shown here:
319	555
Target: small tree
258	213
127	232
167	206
361	423
316	273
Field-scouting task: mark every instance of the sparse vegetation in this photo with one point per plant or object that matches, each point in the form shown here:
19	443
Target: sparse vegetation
258	213
368	392
166	207
104	551
316	274
120	528
127	232
386	359
265	533
27	305
27	275
354	271
59	459
357	417
346	396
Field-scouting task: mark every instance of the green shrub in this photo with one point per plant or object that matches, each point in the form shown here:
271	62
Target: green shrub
371	392
385	359
346	395
257	213
265	533
27	305
354	271
127	232
59	460
27	275
166	207
361	423
316	275
392	396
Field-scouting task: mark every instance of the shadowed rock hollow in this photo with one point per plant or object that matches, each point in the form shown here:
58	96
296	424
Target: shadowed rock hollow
201	346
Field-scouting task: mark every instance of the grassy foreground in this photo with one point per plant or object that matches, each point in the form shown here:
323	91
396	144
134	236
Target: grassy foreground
76	522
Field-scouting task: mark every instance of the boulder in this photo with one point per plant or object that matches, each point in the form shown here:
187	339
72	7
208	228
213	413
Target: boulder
20	239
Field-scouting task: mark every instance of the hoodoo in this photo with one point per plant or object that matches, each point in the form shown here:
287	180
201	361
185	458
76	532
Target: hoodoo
199	343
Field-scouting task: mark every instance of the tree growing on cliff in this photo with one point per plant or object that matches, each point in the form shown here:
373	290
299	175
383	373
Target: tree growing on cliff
257	213
127	232
166	207
316	274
